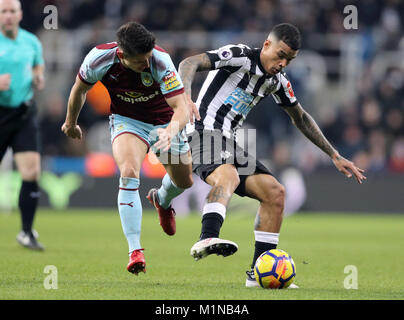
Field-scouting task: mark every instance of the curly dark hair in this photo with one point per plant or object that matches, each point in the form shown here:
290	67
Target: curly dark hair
133	38
289	34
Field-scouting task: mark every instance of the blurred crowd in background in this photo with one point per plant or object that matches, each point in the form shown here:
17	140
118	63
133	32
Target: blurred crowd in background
358	100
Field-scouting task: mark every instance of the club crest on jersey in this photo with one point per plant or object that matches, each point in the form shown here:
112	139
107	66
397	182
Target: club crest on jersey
147	79
225	54
273	84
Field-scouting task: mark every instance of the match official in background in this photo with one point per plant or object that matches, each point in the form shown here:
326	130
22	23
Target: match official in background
21	70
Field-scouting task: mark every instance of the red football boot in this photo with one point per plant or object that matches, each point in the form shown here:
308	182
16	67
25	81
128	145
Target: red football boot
167	216
137	262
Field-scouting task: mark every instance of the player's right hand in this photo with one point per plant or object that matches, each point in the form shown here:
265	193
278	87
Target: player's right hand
5	81
72	131
164	141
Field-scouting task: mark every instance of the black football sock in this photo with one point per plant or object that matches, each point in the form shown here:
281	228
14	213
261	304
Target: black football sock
261	247
211	224
28	202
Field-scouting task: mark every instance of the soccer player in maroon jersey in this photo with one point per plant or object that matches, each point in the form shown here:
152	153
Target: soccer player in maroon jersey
148	110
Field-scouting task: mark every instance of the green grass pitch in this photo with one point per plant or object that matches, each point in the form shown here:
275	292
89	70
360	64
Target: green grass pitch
89	251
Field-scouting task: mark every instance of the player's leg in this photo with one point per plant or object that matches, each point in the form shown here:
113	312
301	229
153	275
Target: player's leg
224	181
129	152
178	164
211	165
29	166
177	179
25	145
271	195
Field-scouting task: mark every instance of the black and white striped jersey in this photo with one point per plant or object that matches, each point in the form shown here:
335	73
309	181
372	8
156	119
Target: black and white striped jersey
237	84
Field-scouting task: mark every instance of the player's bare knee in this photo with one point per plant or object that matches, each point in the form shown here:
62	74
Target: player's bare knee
274	194
226	177
30	173
279	194
129	171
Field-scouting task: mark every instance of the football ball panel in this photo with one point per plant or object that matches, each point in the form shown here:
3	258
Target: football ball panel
275	269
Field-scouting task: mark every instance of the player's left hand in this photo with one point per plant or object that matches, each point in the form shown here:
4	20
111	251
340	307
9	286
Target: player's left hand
164	142
348	168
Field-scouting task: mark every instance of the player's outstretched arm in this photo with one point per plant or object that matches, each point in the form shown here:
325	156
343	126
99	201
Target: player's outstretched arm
306	124
76	101
189	66
187	69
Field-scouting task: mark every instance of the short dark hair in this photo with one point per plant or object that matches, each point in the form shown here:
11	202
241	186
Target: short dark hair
133	38
289	34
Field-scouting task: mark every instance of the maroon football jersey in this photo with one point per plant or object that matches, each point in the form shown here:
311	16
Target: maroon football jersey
137	95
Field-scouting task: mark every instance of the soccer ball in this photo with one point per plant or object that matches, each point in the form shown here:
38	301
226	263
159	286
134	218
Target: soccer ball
275	269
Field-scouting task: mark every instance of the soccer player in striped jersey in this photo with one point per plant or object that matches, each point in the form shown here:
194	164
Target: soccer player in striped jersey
239	78
148	110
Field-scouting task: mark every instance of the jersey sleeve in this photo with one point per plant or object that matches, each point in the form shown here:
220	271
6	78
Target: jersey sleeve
94	66
228	56
284	95
38	57
165	73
